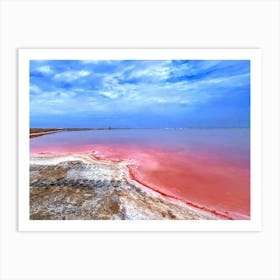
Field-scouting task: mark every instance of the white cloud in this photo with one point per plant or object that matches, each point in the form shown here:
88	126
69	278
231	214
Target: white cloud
193	68
55	102
34	89
90	61
108	94
159	71
71	75
45	69
159	100
127	87
96	61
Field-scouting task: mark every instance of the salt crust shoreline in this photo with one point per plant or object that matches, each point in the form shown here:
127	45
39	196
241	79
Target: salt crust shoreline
128	199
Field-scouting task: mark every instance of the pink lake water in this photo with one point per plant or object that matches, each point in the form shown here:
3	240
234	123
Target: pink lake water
205	168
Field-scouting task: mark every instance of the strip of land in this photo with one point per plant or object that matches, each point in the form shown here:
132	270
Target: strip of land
35	132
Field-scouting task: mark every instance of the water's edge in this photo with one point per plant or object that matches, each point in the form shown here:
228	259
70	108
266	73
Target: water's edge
139	200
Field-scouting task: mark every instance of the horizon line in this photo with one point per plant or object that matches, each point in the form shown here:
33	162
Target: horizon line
109	128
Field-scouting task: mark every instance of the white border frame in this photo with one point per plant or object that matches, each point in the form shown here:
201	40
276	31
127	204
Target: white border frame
254	55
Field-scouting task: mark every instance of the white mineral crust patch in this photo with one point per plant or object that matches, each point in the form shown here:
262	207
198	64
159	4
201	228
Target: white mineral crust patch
77	186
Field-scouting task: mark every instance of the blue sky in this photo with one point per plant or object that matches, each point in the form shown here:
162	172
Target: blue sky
139	93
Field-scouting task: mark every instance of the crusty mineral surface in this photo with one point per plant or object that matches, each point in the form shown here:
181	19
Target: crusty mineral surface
78	187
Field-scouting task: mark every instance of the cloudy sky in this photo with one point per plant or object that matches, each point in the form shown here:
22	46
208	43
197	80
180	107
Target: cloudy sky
139	93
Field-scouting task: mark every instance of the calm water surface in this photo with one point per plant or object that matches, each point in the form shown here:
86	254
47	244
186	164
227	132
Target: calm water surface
207	167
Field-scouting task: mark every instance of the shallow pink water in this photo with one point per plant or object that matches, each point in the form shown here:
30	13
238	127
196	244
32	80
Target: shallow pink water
208	169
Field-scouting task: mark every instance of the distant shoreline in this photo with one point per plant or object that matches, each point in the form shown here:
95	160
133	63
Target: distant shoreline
36	132
39	130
